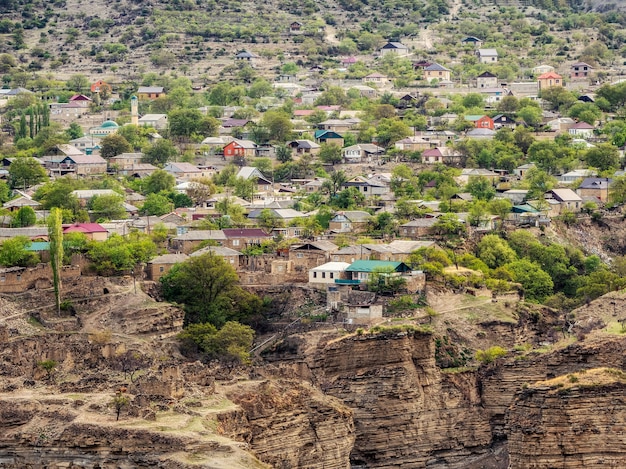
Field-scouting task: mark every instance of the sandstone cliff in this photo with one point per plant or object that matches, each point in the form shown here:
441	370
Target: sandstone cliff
572	422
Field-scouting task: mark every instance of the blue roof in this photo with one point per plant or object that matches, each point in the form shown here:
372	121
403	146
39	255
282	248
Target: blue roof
39	246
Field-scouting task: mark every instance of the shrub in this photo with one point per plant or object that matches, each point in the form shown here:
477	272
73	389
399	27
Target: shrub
490	355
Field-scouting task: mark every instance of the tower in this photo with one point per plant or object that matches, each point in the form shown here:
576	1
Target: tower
134	110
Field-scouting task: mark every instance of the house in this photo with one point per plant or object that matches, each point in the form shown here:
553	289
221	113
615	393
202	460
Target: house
406	101
86	145
521	171
487	56
346	62
421	64
580	70
567	199
240	148
414	143
481	134
350	254
376	77
576	174
187	242
480	122
501	121
328	136
185	171
361	152
240	238
367	187
125	161
23	201
360	271
304	147
581	129
93	231
339	125
443	155
595	187
486	80
468	173
150	92
394	48
250	172
349	221
286	215
231	256
436	72
561	124
157	121
494	95
548	80
247	56
365	91
85	195
327	273
472	40
418	228
541	69
31	232
311	254
161	265
295	27
101	86
516	196
79	165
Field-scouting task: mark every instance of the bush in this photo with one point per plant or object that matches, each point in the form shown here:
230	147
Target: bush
490	355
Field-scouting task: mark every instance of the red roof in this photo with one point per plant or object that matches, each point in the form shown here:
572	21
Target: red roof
549	75
84	228
245	233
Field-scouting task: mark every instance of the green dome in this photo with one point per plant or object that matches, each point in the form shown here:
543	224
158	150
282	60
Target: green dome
108	125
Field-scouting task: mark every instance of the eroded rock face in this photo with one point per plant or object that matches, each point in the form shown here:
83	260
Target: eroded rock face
578	428
407	413
290	425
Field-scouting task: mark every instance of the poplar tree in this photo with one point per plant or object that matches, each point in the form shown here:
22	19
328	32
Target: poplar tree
55	235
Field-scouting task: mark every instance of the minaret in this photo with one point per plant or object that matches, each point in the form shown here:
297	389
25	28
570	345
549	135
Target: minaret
134	110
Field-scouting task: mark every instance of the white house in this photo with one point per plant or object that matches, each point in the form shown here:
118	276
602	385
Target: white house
327	273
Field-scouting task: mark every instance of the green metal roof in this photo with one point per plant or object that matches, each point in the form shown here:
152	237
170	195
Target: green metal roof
371	266
39	246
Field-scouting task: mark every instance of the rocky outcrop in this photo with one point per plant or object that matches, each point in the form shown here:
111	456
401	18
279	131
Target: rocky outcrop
406	412
51	433
577	421
290	425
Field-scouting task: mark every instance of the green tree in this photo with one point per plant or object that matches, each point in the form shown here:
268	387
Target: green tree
617	191
120	254
531	115
14	253
603	157
48	366
107	207
74	131
25	216
25	172
207	287
481	188
232	342
330	153
494	251
113	145
55	235
158	181
78	83
283	153
278	124
160	152
157	205
536	283
349	199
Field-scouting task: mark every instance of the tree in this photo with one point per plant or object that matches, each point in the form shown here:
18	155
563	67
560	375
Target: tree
384	280
157	205
349	199
78	83
113	145
55	235
500	208
617	191
160	152
158	181
119	254
119	402
283	153
107	207
48	366
74	131
481	188
25	216
494	251
333	184
531	115
603	157
536	283
330	153
25	172
14	253
231	343
278	124
207	287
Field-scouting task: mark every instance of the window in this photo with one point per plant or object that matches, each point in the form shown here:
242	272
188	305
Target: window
161	269
323	274
235	242
299	255
332	275
314	274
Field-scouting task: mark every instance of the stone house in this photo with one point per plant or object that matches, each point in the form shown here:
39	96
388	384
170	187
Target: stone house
436	71
329	136
486	80
394	48
595	187
241	238
580	70
150	92
231	256
311	254
418	228
567	199
161	265
187	242
182	171
367	187
350	221
487	56
361	152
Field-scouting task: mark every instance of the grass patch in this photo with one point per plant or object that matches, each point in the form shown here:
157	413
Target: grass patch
585	379
458	369
614	328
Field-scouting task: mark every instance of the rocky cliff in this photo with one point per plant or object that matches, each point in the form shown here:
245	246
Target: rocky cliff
571	422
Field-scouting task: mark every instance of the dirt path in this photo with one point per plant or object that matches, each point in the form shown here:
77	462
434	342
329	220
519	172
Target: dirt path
331	35
456	6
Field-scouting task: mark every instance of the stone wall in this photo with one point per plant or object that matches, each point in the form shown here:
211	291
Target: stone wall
20	279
